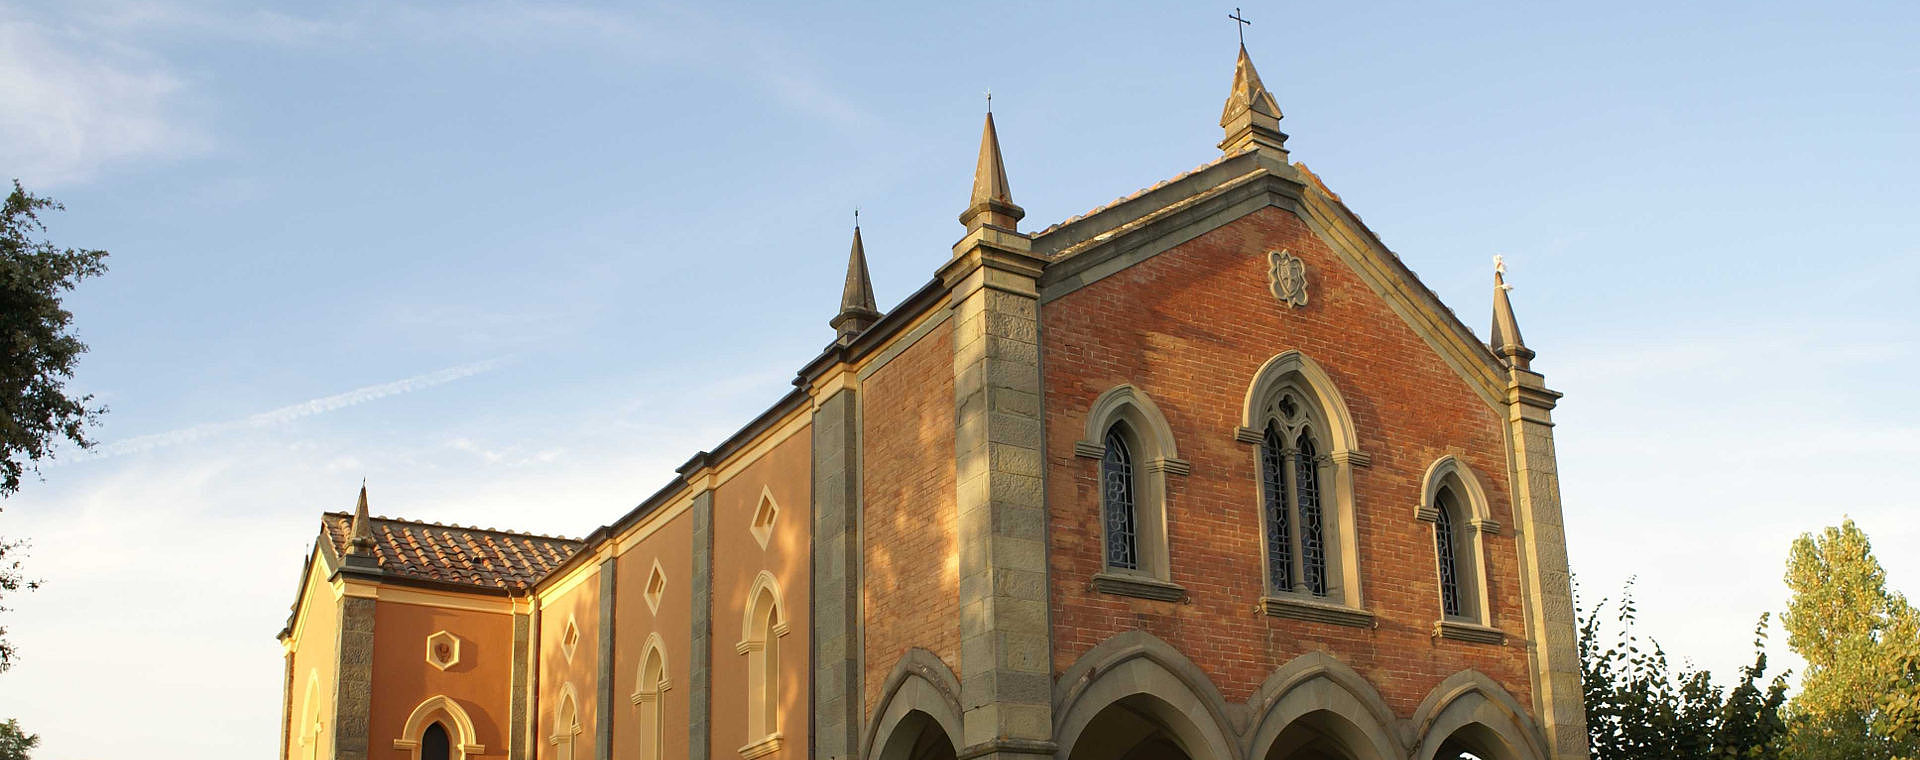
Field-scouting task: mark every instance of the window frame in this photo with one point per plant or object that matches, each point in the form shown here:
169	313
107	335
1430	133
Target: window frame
1155	459
1452	487
1320	410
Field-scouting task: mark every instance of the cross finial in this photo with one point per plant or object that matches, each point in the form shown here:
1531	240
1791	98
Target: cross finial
856	217
1240	27
989	101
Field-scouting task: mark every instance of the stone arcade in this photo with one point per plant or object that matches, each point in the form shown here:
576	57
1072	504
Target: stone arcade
1203	473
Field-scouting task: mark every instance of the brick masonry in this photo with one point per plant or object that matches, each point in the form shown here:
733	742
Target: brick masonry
911	592
1190	327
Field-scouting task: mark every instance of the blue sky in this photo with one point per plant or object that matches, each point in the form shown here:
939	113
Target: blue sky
512	262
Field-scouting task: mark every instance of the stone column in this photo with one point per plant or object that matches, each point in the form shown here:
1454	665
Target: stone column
700	692
837	699
603	711
1548	583
520	701
1006	690
353	693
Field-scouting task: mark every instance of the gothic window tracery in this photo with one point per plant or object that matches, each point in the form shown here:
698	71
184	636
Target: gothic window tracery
1291	500
1117	505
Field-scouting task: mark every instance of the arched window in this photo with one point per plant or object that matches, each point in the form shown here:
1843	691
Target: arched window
439	729
1116	499
311	723
434	744
649	692
1451	499
566	725
1290	497
1129	437
765	624
1305	455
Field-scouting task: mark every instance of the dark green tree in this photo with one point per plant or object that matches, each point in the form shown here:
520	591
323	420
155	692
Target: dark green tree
38	351
1641	706
16	744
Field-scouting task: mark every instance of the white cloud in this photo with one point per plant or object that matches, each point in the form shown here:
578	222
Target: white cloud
287	414
72	103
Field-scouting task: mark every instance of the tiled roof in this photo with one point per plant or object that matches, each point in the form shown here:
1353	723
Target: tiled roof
1136	194
452	554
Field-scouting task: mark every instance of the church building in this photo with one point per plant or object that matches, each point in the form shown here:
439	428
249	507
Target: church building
1205	473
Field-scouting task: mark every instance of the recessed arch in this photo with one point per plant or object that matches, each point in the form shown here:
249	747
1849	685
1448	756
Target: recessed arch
1126	433
1317	691
1149	679
649	691
1469	710
765	588
451	716
312	718
1453	500
1305	449
1450	470
566	724
1295	369
920	695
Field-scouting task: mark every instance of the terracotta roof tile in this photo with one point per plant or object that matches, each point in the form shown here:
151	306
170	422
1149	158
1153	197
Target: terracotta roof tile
455	554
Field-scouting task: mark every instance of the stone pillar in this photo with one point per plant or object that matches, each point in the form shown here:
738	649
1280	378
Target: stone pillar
700	692
353	693
603	710
837	698
1006	689
1548	583
520	697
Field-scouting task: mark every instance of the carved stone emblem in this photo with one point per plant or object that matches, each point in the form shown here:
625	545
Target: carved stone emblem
1288	277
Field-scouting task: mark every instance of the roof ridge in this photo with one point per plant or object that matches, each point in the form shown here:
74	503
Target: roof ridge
455	526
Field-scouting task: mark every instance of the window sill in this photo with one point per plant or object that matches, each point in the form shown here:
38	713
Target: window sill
1318	612
1469	632
1139	586
762	748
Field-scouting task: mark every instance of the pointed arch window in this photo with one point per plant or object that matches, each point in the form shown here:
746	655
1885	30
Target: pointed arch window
765	624
566	725
1452	499
434	744
1134	446
650	691
1305	455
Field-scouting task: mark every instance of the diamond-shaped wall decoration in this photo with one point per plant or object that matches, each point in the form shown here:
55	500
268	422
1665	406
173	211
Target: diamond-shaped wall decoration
443	650
763	518
656	586
570	638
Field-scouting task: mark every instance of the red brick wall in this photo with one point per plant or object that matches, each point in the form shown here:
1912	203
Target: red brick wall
1190	327
912	589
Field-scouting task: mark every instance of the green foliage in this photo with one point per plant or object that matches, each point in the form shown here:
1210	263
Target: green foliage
16	744
1860	696
38	350
1640	706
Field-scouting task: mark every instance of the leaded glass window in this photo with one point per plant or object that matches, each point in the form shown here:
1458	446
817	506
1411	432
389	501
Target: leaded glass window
1306	484
1116	475
1443	546
1273	490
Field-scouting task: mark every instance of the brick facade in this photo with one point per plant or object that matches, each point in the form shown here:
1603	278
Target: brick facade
1190	327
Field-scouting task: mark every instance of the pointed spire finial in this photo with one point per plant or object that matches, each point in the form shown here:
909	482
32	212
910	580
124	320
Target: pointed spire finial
1505	340
360	540
1251	116
992	202
857	311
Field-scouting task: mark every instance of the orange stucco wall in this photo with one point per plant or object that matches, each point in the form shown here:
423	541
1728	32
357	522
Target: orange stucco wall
581	603
912	564
404	679
671	545
315	654
786	471
1191	327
